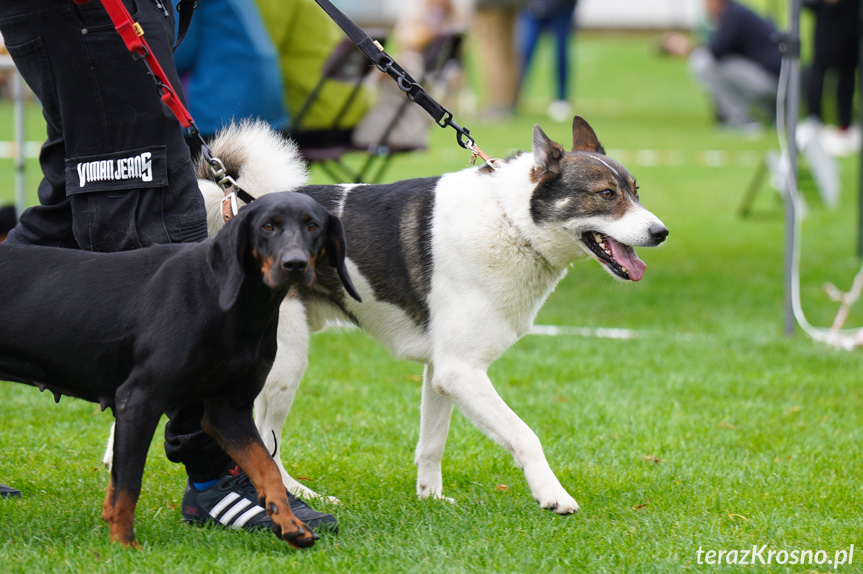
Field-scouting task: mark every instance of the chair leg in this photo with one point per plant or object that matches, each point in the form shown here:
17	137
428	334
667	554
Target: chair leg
754	186
385	163
361	174
330	172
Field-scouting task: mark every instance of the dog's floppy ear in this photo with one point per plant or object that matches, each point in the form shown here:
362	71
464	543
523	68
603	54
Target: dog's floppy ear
584	138
227	259
336	254
546	155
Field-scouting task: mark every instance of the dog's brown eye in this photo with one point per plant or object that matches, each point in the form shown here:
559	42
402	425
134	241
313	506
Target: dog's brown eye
268	226
312	226
608	194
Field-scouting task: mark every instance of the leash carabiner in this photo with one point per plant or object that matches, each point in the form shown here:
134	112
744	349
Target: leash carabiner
229	205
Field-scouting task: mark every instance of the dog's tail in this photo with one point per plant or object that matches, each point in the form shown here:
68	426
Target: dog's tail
259	159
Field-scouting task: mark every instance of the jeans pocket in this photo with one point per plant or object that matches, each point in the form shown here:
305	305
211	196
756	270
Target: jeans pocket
105	221
117	198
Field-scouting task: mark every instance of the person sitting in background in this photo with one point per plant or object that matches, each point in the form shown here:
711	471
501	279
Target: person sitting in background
229	68
835	45
416	31
739	65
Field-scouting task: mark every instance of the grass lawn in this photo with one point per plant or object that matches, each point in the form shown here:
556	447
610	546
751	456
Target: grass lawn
711	430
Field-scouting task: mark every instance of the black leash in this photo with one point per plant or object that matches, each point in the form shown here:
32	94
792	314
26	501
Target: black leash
413	90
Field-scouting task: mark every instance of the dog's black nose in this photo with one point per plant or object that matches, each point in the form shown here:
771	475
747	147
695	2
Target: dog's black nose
294	264
658	233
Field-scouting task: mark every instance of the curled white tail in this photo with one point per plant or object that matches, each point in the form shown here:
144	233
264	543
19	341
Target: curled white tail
260	160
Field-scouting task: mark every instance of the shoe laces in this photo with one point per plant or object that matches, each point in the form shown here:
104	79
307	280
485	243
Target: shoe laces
240	477
242	480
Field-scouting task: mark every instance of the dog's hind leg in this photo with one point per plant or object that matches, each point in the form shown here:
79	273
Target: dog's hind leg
108	457
435	415
471	390
233	428
273	404
137	418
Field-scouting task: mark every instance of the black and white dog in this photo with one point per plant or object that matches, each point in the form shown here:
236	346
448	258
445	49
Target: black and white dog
452	271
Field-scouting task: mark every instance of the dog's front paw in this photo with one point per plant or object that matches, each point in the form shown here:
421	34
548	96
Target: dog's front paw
561	503
426	491
440	497
291	529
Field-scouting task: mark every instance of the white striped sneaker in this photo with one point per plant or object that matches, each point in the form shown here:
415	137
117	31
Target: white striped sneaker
226	503
232	502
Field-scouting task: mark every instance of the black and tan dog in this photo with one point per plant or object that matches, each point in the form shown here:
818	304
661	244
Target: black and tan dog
143	330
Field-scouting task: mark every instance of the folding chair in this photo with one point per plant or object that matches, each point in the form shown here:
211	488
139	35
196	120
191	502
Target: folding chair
441	56
327	146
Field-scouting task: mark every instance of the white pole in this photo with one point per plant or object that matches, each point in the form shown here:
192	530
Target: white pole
20	160
791	53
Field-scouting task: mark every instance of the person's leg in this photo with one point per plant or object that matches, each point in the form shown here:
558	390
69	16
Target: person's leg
703	67
22	26
529	30
509	56
813	88
117	172
561	24
734	84
153	187
217	491
847	72
493	29
749	85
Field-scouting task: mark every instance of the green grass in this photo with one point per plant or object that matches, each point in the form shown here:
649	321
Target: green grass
757	435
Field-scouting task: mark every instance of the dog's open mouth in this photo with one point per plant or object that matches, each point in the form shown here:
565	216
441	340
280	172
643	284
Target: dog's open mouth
620	259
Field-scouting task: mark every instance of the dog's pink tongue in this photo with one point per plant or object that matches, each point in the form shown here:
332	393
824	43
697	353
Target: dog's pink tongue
626	257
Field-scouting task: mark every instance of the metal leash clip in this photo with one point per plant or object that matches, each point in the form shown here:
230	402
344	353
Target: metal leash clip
229	206
226	182
478	153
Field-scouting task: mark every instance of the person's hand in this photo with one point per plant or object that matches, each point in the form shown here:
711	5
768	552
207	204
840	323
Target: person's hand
675	44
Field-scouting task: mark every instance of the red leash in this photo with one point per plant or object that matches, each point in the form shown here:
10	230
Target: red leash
133	36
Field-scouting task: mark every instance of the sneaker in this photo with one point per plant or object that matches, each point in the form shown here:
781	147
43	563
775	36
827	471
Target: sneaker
840	142
233	502
9	492
318	521
560	111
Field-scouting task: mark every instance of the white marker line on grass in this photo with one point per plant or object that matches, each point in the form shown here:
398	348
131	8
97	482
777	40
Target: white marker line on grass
713	158
598	332
612	333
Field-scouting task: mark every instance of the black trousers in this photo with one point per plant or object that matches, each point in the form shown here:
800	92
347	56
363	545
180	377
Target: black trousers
117	171
836	46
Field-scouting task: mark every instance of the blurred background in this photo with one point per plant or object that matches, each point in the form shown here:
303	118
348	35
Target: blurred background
690	366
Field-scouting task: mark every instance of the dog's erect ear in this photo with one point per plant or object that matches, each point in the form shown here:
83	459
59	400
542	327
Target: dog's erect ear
227	257
584	138
546	155
336	254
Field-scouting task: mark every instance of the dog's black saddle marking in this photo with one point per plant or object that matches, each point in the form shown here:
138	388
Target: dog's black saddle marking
390	228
